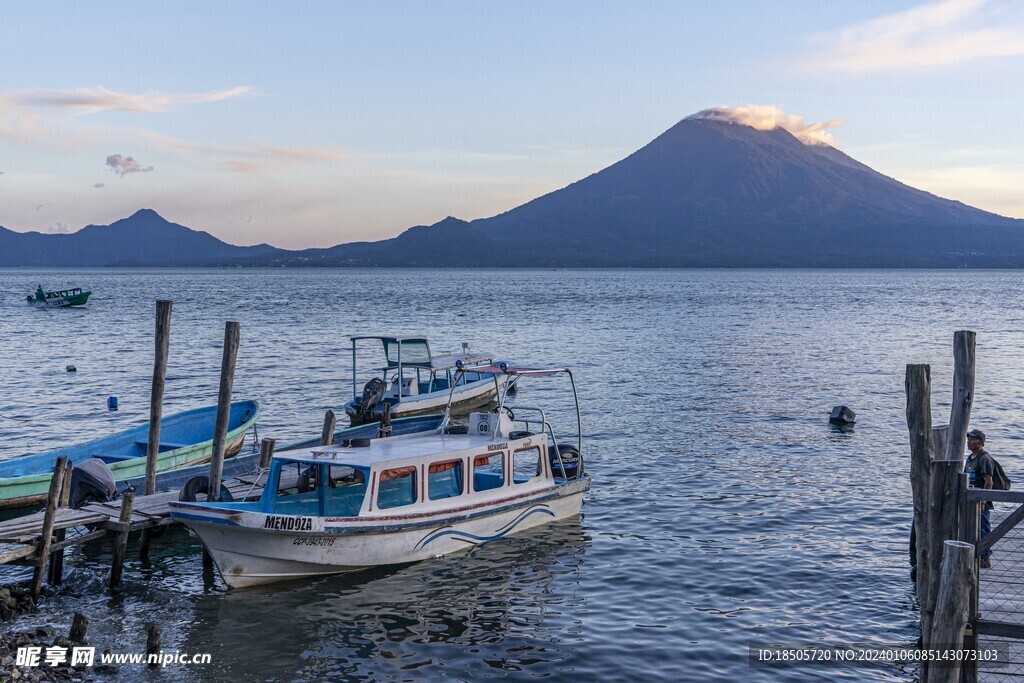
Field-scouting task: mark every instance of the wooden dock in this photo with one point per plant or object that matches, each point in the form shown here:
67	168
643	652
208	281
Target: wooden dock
21	539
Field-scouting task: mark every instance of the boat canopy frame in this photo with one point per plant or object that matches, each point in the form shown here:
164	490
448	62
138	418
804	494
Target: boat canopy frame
515	374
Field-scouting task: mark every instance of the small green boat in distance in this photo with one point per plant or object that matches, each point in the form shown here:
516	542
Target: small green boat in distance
58	298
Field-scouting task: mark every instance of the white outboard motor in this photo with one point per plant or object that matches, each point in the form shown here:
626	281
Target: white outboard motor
91	481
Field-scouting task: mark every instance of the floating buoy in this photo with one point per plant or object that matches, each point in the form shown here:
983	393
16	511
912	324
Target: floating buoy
842	415
112	403
71	368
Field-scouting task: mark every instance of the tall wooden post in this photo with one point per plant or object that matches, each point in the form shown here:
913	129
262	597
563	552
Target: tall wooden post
52	501
919	422
121	540
327	434
220	434
156	398
969	519
156	408
951	607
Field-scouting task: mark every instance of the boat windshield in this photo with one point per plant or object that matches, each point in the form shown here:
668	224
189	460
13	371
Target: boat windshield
318	490
414	352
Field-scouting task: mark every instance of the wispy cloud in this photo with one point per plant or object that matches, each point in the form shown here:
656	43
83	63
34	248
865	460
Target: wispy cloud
925	37
82	101
770	117
100	186
58	228
126	165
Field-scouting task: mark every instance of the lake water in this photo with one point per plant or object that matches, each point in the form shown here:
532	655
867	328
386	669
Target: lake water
724	513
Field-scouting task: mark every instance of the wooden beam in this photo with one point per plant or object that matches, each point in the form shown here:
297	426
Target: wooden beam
1012	520
999	630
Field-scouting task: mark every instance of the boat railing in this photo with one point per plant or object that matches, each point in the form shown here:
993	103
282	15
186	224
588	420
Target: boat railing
544	426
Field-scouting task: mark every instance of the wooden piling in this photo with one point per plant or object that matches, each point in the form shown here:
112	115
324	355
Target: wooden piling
327	434
56	575
963	394
121	541
79	628
156	397
951	608
153	642
919	422
46	537
266	453
220	434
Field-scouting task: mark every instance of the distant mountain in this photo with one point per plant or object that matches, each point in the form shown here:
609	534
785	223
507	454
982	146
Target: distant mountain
706	193
143	239
710	193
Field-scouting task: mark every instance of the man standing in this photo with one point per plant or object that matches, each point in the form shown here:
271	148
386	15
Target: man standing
982	467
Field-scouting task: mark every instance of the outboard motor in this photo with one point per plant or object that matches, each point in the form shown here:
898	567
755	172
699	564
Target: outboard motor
571	461
373	392
91	481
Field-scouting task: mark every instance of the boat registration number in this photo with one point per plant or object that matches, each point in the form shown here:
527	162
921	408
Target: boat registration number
281	523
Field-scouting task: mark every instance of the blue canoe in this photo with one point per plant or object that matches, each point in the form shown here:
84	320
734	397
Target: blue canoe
186	440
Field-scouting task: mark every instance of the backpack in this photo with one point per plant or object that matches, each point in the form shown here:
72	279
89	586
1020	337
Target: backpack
999	479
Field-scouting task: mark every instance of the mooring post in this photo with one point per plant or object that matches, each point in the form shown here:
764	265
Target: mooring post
52	501
156	408
156	397
56	575
121	541
327	433
79	628
220	434
153	643
266	453
951	608
919	423
944	503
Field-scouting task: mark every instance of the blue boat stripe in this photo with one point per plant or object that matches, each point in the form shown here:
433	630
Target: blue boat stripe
473	538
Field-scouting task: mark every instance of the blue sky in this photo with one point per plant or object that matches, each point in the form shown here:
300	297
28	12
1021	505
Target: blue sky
315	123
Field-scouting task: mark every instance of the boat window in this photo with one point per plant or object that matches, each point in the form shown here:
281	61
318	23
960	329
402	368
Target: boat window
297	490
445	479
397	487
526	464
346	488
488	471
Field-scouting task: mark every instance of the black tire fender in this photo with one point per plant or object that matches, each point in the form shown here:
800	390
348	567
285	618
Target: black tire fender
201	484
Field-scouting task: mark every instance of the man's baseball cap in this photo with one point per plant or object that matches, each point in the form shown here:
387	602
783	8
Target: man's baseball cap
977	433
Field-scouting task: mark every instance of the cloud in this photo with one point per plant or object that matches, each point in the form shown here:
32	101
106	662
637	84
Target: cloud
82	101
925	37
771	117
100	186
125	165
40	206
58	229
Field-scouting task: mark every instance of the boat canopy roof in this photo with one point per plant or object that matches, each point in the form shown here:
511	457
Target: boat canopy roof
385	450
416	353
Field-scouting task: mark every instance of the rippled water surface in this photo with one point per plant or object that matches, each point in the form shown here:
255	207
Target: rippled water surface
724	512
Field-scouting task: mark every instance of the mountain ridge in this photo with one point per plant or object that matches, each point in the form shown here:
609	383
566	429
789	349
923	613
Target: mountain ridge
704	193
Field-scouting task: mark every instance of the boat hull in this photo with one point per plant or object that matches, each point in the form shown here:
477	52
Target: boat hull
465	399
249	554
30	486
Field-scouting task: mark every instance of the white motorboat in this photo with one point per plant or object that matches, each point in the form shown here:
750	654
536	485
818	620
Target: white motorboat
371	502
413	382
